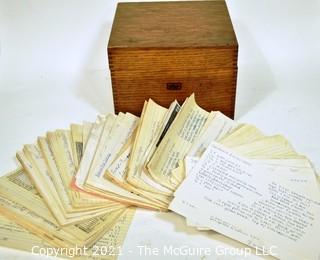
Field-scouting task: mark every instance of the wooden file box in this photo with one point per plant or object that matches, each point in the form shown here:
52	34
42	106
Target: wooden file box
168	50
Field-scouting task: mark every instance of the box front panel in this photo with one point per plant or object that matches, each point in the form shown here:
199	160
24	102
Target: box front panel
214	90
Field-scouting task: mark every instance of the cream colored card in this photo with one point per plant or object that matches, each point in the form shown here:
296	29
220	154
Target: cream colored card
242	134
152	120
77	143
111	141
60	143
20	201
218	127
86	130
90	149
35	166
176	143
14	236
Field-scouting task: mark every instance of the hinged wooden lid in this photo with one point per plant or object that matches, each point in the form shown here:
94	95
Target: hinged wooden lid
183	24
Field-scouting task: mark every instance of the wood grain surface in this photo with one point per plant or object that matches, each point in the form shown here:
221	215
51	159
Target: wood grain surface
172	24
169	50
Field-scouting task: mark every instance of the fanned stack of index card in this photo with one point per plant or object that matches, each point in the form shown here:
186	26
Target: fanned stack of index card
79	187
